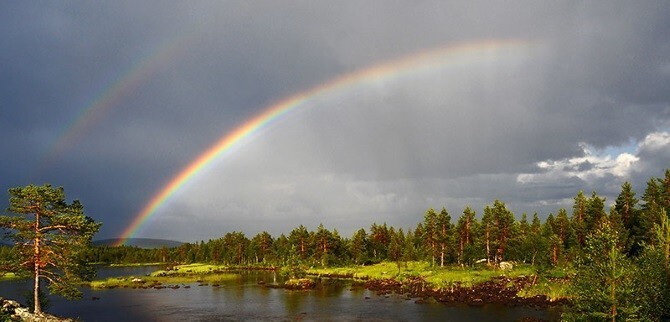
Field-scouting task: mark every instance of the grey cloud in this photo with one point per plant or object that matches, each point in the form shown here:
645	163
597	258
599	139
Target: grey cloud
598	75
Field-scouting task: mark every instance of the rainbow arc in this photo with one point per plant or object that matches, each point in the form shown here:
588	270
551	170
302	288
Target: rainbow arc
429	60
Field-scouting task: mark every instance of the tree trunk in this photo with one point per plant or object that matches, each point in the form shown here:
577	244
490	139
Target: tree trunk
460	252
302	248
488	246
613	298
36	289
554	255
36	293
442	257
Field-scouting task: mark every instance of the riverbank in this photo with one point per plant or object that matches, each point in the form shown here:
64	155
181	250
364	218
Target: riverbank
518	286
171	277
474	286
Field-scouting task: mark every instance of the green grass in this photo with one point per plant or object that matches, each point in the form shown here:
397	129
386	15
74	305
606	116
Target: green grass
136	264
438	276
190	269
552	283
553	289
182	274
9	276
127	282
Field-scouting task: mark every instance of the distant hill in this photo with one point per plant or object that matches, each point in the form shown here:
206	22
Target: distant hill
140	242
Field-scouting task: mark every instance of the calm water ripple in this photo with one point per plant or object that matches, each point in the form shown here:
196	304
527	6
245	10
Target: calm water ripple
246	300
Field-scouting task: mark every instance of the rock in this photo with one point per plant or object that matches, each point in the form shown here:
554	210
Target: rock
506	266
21	313
500	290
476	302
300	284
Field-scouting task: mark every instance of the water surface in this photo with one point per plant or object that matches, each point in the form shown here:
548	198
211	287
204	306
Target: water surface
245	299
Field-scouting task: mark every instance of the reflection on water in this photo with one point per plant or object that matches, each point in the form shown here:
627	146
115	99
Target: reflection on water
246	300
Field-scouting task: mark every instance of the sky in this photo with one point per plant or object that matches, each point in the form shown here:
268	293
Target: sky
405	106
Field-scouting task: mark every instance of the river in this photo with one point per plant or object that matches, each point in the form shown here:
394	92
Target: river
245	299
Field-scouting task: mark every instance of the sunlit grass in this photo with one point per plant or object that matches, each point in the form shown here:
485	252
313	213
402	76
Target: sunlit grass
190	269
438	276
182	274
9	276
553	289
136	264
150	281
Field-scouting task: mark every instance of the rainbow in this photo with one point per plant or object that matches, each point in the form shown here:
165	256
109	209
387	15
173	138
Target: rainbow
112	95
426	61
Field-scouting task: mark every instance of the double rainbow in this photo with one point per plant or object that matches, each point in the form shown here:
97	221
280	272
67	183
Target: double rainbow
430	60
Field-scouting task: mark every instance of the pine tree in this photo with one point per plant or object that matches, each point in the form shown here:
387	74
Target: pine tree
487	232
299	237
603	285
395	249
652	208
379	241
50	237
563	229
595	212
430	234
465	229
261	245
409	248
443	233
579	214
504	221
358	247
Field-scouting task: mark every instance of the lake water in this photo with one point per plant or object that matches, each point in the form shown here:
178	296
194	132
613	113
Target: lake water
245	300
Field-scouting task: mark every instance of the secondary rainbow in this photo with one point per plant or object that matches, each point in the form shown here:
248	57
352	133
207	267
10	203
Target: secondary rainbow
113	94
425	61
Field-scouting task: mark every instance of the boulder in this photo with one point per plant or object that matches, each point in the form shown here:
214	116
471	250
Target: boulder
21	313
506	266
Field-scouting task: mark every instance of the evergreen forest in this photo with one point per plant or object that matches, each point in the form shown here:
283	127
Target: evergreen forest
617	259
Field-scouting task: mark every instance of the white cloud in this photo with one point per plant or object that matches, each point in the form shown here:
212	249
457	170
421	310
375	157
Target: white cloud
593	164
587	167
655	141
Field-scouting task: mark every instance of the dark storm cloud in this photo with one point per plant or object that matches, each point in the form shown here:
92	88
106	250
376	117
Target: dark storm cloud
597	77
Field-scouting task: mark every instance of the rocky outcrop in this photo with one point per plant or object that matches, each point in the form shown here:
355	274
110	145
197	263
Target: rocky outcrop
299	284
496	291
17	312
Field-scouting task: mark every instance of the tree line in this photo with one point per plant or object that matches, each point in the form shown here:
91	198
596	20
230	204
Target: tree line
440	238
619	257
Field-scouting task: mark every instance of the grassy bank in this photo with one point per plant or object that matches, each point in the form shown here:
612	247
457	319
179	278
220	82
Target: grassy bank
182	274
9	276
136	264
441	277
553	283
547	284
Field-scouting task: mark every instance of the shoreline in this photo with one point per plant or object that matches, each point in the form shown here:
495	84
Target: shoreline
469	287
501	290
